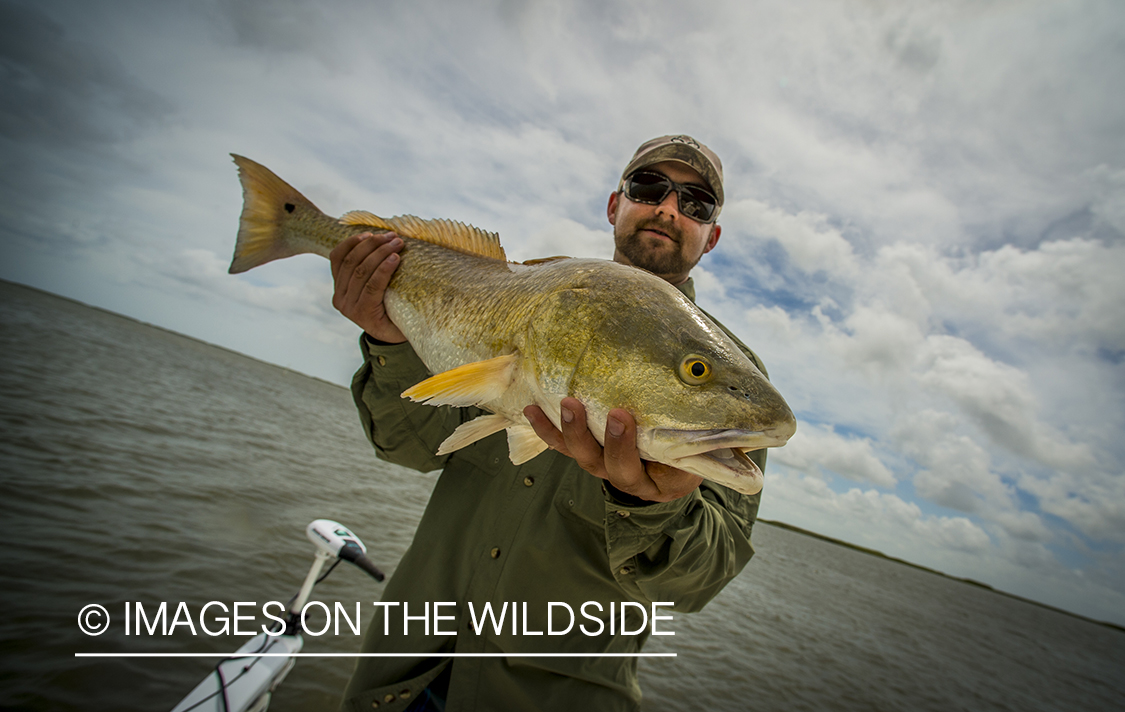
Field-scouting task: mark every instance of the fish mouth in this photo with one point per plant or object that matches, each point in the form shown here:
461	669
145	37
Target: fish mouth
716	455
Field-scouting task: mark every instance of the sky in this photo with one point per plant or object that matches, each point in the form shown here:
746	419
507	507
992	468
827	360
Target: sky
924	233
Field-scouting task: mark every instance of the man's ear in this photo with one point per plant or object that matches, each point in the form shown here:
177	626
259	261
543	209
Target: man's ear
611	209
713	240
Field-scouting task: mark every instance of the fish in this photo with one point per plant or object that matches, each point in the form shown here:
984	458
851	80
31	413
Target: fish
502	335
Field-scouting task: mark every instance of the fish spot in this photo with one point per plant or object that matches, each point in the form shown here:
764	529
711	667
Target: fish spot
290	207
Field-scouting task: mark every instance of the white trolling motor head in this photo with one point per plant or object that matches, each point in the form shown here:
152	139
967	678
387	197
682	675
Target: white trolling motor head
337	541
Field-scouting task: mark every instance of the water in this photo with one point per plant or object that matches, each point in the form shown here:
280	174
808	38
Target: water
140	465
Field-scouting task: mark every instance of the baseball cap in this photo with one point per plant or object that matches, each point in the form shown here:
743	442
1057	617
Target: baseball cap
684	149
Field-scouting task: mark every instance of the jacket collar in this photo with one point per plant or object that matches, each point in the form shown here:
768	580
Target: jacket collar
688	288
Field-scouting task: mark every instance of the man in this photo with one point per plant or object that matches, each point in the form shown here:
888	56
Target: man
594	528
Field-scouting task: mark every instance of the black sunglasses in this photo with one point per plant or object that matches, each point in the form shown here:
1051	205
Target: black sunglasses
652	188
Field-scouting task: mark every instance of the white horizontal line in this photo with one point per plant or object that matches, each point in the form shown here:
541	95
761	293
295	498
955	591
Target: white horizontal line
375	655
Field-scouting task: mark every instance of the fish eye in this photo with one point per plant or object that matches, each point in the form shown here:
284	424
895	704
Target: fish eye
694	370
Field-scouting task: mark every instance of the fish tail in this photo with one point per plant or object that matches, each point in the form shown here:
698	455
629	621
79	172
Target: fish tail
269	205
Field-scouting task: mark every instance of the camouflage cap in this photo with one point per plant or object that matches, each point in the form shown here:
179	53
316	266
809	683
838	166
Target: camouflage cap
684	149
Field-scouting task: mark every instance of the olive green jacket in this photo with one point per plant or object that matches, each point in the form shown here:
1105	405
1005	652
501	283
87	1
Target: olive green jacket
533	537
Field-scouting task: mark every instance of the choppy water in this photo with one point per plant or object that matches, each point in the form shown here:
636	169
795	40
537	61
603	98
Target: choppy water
140	465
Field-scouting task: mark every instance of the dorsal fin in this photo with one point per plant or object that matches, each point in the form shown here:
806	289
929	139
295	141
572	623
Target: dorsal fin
447	233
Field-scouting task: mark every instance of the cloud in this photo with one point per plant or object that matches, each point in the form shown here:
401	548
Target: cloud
956	470
55	87
205	273
815	447
811	244
563	236
1028	527
1062	293
875	340
872	516
1094	505
998	399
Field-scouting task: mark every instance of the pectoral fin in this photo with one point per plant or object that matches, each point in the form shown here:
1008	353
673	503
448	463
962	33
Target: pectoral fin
472	384
476	429
523	444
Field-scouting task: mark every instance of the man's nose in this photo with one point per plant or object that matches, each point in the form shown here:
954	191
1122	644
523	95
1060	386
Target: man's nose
670	205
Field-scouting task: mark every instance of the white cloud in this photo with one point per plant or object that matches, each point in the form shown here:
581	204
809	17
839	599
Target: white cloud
821	447
880	341
564	237
999	400
1026	526
871	518
810	242
957	471
1094	505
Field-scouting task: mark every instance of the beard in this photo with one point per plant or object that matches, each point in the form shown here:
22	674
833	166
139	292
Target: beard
662	259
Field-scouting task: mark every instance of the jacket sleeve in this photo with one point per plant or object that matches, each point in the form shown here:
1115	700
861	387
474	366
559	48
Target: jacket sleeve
685	551
681	552
402	431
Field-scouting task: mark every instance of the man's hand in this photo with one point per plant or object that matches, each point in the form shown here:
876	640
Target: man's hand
618	463
362	266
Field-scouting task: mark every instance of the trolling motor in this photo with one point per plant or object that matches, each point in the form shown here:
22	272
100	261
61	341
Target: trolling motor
245	681
334	542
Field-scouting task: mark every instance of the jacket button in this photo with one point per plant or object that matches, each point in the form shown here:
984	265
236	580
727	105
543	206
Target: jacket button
495	553
625	570
405	694
622	513
382	360
529	481
375	704
389	697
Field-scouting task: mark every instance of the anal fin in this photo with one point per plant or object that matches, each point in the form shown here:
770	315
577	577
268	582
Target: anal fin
523	444
476	429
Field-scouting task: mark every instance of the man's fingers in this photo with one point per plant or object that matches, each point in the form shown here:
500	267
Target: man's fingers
545	429
341	251
362	268
621	457
580	442
652	481
619	461
623	464
367	279
380	277
345	258
671	483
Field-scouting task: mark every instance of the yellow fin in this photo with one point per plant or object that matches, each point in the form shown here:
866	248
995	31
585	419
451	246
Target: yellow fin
476	429
447	233
265	200
524	444
471	384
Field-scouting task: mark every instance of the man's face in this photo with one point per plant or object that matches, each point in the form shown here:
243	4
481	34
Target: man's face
658	237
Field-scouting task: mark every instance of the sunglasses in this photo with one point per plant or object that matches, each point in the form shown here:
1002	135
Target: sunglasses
650	188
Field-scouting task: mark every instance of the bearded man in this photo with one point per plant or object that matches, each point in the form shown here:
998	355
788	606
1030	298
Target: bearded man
591	526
